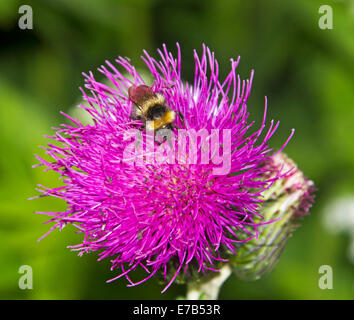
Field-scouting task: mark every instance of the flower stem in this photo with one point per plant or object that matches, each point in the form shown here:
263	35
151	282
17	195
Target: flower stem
208	289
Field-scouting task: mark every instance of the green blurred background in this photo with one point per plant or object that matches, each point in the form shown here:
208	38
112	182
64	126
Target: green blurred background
307	74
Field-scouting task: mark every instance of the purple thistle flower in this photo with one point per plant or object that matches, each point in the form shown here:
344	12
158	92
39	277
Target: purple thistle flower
162	217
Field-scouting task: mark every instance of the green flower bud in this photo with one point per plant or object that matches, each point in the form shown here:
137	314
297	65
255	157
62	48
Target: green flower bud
285	202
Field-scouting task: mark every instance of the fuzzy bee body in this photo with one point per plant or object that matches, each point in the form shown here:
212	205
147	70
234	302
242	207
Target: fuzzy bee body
150	107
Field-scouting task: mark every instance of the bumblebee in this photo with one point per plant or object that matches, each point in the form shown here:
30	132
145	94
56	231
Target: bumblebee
151	108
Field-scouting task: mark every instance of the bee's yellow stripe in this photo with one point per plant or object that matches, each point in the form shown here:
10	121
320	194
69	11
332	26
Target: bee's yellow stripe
167	118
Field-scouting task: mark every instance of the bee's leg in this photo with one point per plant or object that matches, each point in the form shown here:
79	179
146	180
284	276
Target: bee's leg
166	134
181	117
134	117
160	138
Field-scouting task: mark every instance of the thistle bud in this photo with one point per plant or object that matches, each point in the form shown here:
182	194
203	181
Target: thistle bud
286	201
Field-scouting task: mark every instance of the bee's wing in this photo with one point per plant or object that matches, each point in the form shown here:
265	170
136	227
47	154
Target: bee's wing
140	94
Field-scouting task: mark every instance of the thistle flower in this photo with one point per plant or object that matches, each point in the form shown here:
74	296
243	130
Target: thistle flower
167	218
